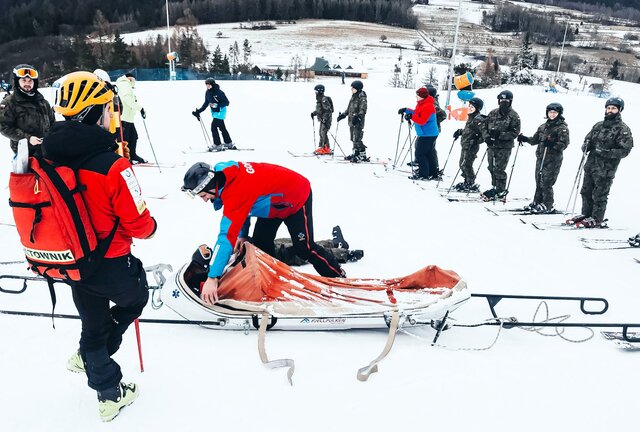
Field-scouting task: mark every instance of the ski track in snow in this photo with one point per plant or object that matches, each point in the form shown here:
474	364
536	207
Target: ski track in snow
197	378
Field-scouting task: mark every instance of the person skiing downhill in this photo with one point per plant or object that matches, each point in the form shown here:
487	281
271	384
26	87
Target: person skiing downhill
608	142
356	112
324	110
117	210
500	129
425	122
470	140
272	193
552	138
217	101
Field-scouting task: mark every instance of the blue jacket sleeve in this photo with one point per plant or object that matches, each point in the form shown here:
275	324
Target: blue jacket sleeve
222	250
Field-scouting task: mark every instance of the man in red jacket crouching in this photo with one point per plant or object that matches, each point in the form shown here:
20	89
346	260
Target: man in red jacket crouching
272	193
113	200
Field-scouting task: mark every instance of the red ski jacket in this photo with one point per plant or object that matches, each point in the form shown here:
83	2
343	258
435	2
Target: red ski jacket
253	189
112	189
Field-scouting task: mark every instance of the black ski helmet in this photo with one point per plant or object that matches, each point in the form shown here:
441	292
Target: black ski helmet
615	101
200	177
210	81
477	103
319	88
357	84
555	106
22	70
505	95
433	92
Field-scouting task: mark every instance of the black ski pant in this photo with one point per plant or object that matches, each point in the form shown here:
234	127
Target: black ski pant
300	226
122	281
219	124
425	156
130	135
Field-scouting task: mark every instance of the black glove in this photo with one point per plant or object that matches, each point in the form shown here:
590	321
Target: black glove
408	116
341	116
587	146
196	114
457	134
494	133
523	138
401	111
356	120
313	114
142	113
490	142
548	143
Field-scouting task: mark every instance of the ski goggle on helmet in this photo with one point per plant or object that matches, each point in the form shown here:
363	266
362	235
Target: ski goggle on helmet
197	178
24	72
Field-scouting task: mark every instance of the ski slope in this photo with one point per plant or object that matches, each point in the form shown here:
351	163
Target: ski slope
197	378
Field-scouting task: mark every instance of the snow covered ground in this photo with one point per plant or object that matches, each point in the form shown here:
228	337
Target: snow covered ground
197	378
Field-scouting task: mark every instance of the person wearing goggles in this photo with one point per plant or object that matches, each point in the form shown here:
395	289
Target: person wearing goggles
271	193
118	213
25	114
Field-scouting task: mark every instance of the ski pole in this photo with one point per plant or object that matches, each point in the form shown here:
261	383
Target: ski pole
512	167
410	140
395	158
447	160
207	139
454	180
479	166
575	183
449	155
139	340
313	121
335	142
144	122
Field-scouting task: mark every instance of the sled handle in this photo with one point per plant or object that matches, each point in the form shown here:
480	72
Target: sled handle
256	324
494	299
24	283
626	336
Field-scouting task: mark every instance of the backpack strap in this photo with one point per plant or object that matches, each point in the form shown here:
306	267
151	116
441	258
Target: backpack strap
38	214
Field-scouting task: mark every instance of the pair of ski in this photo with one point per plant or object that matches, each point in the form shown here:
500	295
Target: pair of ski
329	158
570	226
605	244
475	197
192	150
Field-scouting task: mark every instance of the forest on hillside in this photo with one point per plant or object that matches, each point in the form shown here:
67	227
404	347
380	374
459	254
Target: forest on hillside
36	18
603	9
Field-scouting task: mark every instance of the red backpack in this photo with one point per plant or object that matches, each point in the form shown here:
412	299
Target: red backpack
59	241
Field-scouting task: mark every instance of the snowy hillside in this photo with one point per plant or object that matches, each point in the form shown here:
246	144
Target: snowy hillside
197	378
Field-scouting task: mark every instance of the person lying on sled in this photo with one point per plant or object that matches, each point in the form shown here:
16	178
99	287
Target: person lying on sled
338	247
272	193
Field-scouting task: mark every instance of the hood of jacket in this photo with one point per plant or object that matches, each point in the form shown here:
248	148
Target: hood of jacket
72	143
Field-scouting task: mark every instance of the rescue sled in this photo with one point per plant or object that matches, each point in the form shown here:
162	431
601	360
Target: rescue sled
257	285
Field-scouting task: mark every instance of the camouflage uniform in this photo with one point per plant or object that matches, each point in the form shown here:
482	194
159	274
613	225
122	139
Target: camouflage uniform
357	108
324	109
552	137
470	141
607	142
22	117
504	128
286	253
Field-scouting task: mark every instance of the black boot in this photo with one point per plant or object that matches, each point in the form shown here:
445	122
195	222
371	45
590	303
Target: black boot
355	255
338	239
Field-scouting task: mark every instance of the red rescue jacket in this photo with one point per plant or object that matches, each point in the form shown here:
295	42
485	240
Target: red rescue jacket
112	189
